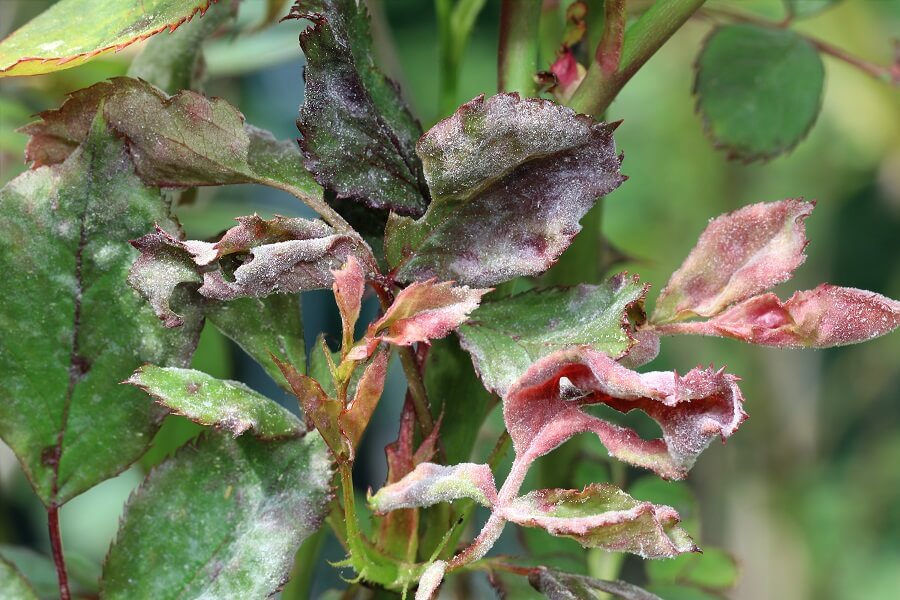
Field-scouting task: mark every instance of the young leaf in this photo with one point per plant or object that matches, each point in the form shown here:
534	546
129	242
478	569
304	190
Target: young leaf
506	336
557	585
544	408
320	410
431	580
821	318
222	519
358	135
430	484
759	89
72	32
349	285
14	586
423	311
65	254
355	418
603	516
738	255
225	405
510	178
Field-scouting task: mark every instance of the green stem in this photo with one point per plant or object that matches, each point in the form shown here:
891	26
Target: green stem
448	81
317	203
416	389
517	56
641	41
354	537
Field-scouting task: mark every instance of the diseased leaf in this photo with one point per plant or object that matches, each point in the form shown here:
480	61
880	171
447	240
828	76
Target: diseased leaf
262	327
358	135
603	516
431	580
72	32
227	405
348	287
40	572
431	484
509	179
320	410
759	89
506	336
544	408
423	311
65	254
557	585
821	318
14	586
738	255
184	140
355	418
222	519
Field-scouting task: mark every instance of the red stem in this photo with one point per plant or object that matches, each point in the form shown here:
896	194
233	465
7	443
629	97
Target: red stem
56	546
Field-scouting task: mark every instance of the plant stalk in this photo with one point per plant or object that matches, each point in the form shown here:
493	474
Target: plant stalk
416	387
517	56
641	41
57	550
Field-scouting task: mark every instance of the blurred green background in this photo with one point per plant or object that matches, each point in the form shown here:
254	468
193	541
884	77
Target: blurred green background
807	495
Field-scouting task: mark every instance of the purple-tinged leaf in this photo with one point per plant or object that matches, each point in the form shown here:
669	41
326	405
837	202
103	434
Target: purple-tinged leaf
358	413
320	410
348	287
821	318
557	585
739	255
226	405
603	516
358	135
431	484
423	311
568	73
431	580
510	178
544	409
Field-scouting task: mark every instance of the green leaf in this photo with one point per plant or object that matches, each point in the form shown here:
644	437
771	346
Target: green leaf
759	90
557	585
180	141
40	572
508	335
13	585
222	519
262	327
359	137
227	405
715	569
509	179
72	32
806	8
73	329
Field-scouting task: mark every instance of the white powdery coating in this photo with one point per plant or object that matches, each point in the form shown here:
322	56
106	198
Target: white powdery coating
431	580
431	484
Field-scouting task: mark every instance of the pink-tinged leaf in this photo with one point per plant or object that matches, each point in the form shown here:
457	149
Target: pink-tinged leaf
739	255
348	287
431	580
321	412
425	310
431	484
603	516
544	409
569	73
358	413
821	318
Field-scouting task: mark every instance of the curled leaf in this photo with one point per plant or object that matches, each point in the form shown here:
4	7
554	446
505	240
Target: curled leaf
431	580
510	178
348	287
431	484
320	410
821	318
544	409
737	256
358	413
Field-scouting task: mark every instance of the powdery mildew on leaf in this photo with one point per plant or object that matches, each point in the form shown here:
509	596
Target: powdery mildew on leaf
430	484
431	580
507	335
510	178
356	416
13	585
348	287
222	519
738	255
227	405
557	585
321	411
358	135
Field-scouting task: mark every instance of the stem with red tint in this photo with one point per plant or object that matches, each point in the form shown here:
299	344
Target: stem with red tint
56	547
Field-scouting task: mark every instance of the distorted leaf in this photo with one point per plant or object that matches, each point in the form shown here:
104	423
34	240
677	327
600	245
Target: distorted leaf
222	519
320	410
348	287
431	484
544	408
557	585
603	516
510	178
227	405
821	318
358	135
738	255
431	580
73	329
507	335
759	89
358	413
72	32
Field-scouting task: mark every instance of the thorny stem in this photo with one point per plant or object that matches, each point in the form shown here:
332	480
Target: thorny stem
56	547
517	56
642	40
890	74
